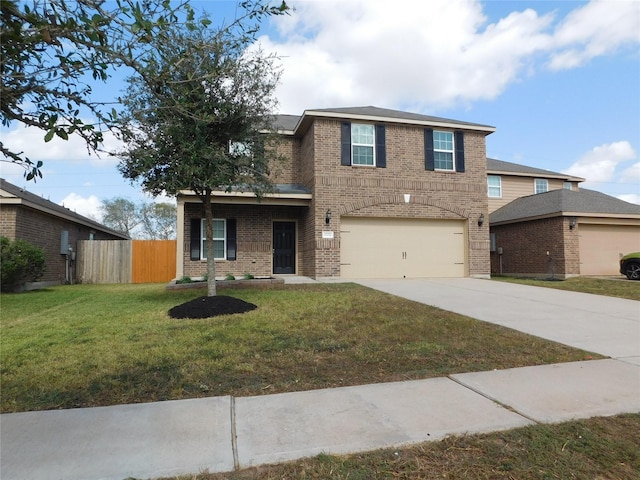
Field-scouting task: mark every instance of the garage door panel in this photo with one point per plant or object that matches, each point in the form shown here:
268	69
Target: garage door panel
602	245
398	248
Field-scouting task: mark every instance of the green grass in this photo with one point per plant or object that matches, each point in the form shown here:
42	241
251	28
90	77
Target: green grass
599	286
594	449
90	345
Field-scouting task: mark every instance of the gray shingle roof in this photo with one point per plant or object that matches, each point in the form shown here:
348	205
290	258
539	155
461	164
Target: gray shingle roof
500	166
39	203
286	122
371	111
559	202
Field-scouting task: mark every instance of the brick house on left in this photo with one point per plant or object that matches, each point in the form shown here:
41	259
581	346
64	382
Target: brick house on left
50	226
364	192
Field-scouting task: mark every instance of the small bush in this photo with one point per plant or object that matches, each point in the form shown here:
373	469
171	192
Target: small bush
185	279
20	262
248	276
229	277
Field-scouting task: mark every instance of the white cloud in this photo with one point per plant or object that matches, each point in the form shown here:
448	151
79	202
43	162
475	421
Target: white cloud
423	55
598	28
30	141
89	207
631	175
630	197
600	164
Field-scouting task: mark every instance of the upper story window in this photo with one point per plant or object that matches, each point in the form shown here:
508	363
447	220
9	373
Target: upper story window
494	186
567	186
443	150
541	185
362	144
219	239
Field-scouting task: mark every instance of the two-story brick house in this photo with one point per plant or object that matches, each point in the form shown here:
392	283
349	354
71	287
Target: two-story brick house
364	192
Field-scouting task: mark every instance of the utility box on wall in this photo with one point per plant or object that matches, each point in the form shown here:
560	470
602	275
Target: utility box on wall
64	242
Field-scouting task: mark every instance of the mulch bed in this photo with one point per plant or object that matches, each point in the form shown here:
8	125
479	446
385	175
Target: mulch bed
205	307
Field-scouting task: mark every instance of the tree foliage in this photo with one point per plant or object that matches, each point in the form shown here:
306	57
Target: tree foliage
21	262
121	215
52	51
197	116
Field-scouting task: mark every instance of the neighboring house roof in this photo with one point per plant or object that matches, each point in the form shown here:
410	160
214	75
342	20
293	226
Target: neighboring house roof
286	123
13	195
507	168
375	114
564	202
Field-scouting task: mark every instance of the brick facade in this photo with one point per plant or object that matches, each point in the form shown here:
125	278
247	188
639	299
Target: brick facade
546	248
313	160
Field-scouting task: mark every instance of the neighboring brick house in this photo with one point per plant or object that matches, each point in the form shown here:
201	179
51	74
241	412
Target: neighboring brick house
563	233
49	226
365	192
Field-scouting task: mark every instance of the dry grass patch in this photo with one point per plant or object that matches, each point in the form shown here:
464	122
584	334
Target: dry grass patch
595	449
90	345
611	287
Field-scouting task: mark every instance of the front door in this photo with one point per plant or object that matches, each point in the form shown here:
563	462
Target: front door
284	247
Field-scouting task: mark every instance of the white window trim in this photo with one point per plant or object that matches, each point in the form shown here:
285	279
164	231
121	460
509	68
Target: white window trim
567	185
203	238
535	185
452	151
499	186
372	145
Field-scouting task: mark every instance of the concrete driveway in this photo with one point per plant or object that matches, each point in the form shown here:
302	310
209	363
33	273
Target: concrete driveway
605	325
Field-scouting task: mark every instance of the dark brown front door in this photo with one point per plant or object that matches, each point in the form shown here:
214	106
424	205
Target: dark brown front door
284	247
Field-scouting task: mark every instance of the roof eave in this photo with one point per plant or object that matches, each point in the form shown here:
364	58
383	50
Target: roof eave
376	118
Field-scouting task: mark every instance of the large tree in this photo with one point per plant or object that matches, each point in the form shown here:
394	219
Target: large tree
53	51
197	117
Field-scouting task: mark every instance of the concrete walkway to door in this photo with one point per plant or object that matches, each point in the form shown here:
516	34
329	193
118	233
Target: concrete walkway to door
605	325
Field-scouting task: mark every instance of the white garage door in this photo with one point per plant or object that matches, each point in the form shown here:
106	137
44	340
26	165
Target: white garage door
602	245
401	248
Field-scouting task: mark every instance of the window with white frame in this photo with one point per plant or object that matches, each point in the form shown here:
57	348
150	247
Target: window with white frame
494	186
567	186
443	150
219	239
363	144
541	185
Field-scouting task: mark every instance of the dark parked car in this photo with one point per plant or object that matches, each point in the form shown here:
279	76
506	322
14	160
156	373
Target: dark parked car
630	266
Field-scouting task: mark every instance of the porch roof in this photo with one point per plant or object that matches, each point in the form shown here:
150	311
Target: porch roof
286	194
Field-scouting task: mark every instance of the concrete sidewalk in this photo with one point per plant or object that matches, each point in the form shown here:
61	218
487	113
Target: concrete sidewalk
225	433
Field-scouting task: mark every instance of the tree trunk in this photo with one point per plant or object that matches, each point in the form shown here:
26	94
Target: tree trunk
211	263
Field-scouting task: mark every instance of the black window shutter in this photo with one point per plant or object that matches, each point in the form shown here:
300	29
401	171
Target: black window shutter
381	148
459	140
345	144
196	238
231	239
429	159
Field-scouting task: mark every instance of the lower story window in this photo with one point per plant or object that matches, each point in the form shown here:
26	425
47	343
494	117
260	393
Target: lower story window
219	239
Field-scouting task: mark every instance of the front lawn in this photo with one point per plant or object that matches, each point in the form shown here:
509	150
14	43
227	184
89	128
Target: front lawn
612	287
90	345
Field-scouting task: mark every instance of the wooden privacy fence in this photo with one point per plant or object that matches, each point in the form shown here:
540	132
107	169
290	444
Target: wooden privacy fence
126	261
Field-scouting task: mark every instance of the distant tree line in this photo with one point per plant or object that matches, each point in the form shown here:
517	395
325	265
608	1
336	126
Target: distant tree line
145	220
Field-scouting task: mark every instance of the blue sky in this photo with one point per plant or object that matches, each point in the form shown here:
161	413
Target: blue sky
560	80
